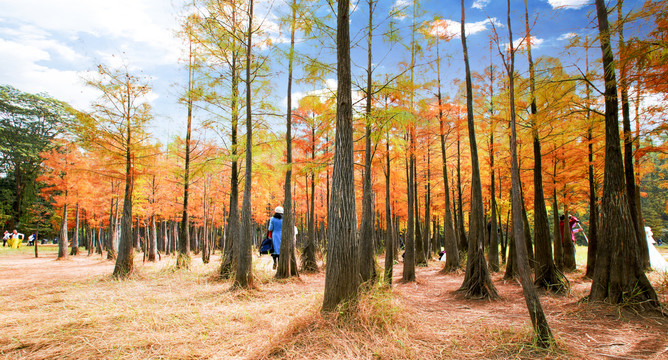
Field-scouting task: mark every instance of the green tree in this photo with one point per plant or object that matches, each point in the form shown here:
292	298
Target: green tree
28	123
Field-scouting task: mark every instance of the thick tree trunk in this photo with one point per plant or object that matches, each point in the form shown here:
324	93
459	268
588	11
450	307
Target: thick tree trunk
342	274
618	274
477	282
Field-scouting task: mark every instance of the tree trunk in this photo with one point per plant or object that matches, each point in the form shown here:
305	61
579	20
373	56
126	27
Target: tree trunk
477	282
63	243
389	239
618	274
244	276
367	259
229	257
342	274
75	235
287	262
183	256
629	173
538	319
125	261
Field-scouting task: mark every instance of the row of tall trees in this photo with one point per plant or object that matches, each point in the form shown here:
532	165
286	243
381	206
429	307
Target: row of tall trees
468	171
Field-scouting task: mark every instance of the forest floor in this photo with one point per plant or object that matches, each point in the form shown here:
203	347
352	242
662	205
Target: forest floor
73	309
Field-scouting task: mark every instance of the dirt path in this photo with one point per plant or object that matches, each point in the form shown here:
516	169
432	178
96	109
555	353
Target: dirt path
168	314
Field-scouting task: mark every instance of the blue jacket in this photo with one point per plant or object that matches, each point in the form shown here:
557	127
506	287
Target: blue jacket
275	226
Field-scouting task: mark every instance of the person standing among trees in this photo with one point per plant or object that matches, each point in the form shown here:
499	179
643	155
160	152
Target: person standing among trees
274	233
5	238
572	221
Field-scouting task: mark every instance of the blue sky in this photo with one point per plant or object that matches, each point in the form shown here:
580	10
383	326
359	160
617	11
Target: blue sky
50	45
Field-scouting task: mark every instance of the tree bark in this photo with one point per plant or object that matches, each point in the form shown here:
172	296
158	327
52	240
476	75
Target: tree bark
75	235
244	276
63	243
367	259
618	274
477	282
342	274
629	173
287	264
541	328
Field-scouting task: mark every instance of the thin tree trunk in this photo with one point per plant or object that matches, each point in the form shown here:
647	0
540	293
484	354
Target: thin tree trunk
75	235
287	262
244	276
539	321
63	243
367	259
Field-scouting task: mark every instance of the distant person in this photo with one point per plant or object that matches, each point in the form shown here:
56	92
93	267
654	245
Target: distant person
275	227
5	238
572	222
31	239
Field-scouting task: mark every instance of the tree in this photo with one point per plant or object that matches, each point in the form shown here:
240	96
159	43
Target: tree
342	274
547	275
618	274
118	127
477	282
287	264
28	123
538	319
244	276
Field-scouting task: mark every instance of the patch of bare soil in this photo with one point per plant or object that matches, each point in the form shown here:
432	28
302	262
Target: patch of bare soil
72	309
582	330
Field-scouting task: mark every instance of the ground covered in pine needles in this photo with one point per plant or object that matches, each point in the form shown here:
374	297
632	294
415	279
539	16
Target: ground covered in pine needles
73	309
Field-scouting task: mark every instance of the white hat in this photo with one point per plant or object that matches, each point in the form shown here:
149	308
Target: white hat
278	210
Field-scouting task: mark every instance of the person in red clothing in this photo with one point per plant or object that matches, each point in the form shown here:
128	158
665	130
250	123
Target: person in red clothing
572	222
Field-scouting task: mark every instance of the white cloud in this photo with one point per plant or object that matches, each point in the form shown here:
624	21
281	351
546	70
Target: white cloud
566	36
480	4
521	43
568	4
401	9
452	29
147	24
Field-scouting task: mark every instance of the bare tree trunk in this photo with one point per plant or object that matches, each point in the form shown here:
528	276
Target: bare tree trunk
125	261
244	276
342	274
183	256
63	243
231	234
629	173
618	275
75	235
367	259
287	262
477	282
541	328
389	239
